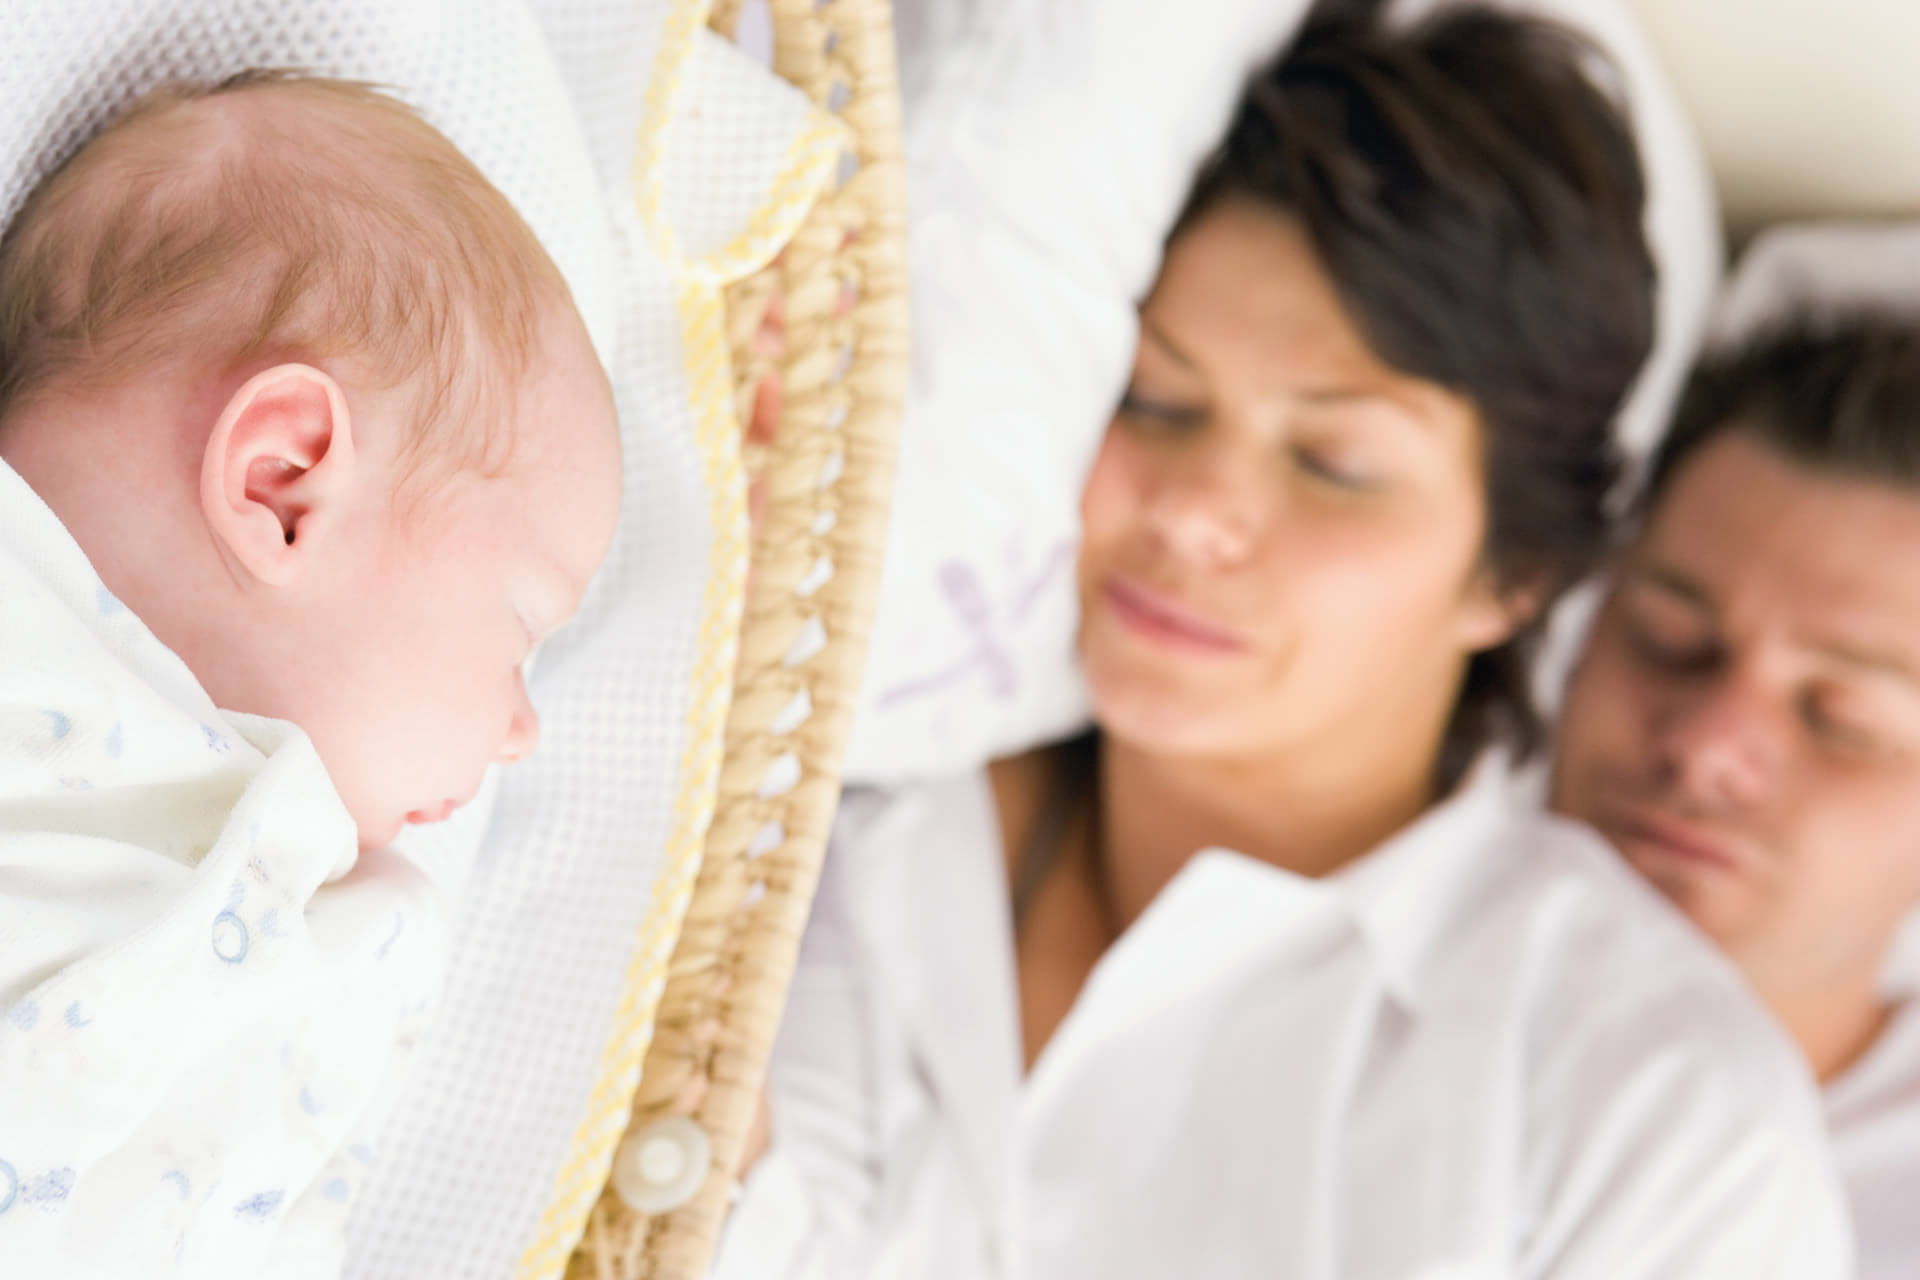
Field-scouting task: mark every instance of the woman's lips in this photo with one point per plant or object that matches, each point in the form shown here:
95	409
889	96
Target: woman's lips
1165	621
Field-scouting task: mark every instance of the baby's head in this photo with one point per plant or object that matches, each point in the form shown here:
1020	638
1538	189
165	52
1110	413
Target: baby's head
320	410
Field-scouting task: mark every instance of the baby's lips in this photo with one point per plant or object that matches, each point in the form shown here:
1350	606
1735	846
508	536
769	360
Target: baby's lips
438	813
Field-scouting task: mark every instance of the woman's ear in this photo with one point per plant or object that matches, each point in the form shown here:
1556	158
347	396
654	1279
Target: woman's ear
278	469
1494	611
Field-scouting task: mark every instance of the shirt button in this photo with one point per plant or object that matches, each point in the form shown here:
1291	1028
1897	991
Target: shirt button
659	1168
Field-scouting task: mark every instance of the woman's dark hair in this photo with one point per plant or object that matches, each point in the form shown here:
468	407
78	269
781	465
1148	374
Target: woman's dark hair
1839	394
1476	200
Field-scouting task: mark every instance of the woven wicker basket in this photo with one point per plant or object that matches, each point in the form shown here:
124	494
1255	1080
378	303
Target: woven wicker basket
841	288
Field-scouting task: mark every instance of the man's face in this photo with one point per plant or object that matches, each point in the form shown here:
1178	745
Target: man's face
1745	723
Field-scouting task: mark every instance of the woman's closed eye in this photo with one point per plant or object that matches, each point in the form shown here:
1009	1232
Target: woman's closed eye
1352	442
1343	469
1157	413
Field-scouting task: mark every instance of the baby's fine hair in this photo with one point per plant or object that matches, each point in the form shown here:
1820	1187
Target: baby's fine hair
275	215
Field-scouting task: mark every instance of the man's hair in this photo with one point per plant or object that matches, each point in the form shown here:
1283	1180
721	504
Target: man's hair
273	214
1476	201
1839	394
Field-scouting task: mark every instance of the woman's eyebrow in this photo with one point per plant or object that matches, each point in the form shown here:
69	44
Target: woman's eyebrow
1166	344
1332	397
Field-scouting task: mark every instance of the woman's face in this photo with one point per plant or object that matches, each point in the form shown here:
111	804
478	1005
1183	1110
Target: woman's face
1282	535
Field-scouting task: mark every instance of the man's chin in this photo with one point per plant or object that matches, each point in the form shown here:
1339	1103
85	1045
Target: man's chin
1700	894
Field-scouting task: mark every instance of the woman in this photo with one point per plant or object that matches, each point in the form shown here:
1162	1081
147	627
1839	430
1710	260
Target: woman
1046	1024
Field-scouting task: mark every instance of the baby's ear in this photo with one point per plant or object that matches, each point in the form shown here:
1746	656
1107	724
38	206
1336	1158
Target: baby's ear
278	469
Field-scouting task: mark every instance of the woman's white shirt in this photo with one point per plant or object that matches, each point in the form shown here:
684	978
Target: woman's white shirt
1484	1050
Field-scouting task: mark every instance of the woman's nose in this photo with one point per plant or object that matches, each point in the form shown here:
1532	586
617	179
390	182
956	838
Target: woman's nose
1208	507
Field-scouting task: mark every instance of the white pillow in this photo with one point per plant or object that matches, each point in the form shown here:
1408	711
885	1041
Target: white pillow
1050	144
567	902
1818	269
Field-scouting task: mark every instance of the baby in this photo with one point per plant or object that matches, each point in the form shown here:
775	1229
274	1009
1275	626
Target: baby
303	449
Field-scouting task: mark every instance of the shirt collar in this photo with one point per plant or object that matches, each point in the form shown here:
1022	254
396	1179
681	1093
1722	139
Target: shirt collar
1410	896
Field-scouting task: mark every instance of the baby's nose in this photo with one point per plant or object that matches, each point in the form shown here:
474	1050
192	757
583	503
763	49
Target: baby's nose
522	735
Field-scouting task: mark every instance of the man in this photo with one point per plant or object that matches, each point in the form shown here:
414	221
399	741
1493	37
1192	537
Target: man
1745	723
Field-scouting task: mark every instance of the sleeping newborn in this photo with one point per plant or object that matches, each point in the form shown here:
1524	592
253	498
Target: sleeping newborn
303	449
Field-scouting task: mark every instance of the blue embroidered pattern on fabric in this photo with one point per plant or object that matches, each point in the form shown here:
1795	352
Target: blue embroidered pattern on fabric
399	926
55	1184
229	937
259	1207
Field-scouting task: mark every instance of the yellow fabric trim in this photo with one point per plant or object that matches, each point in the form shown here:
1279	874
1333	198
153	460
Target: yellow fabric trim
669	68
810	163
811	160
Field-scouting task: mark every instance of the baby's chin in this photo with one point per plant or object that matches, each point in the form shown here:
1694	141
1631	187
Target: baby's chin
380	836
